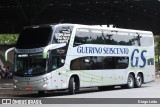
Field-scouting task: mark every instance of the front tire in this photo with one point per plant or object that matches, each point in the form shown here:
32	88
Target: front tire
138	81
72	84
41	93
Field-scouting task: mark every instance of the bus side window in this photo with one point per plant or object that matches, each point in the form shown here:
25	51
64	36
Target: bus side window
54	63
109	63
122	62
57	62
78	64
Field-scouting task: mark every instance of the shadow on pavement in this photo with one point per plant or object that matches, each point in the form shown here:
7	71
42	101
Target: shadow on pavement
65	93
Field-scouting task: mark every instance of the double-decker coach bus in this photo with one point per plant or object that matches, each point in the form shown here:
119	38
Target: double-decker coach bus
71	56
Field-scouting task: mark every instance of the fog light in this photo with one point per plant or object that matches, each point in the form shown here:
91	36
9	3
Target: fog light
15	86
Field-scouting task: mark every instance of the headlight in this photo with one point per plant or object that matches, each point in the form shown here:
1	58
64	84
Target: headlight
45	85
46	78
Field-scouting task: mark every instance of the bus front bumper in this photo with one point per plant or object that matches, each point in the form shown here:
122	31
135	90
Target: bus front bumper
40	84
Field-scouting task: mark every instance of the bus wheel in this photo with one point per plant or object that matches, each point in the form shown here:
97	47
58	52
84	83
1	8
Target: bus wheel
72	85
130	82
138	81
41	93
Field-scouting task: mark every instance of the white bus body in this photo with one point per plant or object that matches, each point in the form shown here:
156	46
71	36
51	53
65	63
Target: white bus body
83	56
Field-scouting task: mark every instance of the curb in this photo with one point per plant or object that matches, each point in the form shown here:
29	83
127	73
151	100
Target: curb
6	86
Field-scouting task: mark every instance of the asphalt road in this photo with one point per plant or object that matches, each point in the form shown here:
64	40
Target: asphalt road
149	90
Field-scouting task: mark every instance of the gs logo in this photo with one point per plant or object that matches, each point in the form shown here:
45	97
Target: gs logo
137	57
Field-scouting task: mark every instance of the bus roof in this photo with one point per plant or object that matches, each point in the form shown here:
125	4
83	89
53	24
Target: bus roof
112	28
105	27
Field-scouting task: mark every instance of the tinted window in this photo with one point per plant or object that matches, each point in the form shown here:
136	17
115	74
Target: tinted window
29	65
77	64
57	62
97	36
116	38
99	62
62	34
116	62
82	37
134	39
34	38
89	36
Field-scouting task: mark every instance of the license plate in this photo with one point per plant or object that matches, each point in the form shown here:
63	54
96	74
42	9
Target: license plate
28	88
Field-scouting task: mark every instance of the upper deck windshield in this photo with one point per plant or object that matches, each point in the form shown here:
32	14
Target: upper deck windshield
34	38
62	34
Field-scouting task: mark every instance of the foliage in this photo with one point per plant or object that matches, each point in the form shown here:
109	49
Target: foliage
157	52
8	39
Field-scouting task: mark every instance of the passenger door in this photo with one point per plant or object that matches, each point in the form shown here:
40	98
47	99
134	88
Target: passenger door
109	71
56	74
122	64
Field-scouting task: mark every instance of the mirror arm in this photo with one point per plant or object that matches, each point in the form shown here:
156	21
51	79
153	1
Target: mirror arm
50	47
7	51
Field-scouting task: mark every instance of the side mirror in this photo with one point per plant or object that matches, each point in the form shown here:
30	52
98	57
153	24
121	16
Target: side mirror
7	51
50	47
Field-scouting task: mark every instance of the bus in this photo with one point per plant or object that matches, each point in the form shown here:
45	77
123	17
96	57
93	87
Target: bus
72	56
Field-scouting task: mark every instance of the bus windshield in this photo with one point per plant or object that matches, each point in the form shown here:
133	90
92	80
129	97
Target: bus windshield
29	64
34	38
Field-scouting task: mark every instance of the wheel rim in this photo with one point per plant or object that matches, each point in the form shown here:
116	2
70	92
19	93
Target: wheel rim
74	85
130	82
139	80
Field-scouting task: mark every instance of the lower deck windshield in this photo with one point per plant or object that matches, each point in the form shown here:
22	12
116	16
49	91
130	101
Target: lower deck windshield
30	65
